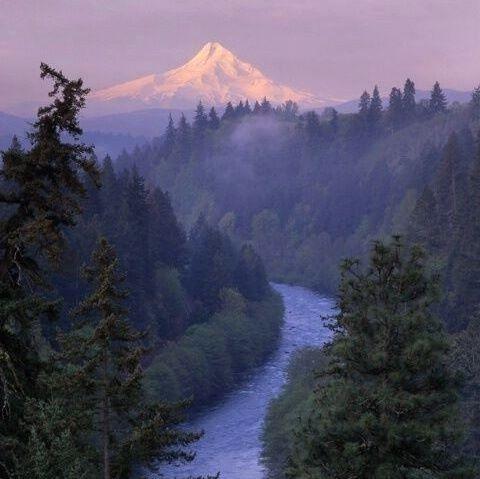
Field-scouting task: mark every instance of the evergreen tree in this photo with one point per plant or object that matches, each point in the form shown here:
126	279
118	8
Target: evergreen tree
41	193
229	113
375	109
450	190
256	108
408	99
103	377
265	107
213	120
388	408
247	108
169	137
239	109
364	106
438	100
183	144
424	225
200	121
395	108
167	238
475	102
250	275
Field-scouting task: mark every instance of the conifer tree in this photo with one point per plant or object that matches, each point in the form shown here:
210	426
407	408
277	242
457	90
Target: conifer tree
200	121
450	189
247	108
103	357
475	102
213	120
229	112
438	100
395	108
424	227
364	105
41	192
375	109
256	108
388	408
408	99
265	107
250	275
169	137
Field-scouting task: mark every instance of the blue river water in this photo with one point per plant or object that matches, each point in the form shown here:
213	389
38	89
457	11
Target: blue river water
231	444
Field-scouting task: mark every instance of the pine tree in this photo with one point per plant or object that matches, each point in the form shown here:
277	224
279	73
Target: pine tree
475	102
408	99
239	109
438	100
450	190
200	121
250	275
247	108
169	137
375	109
364	106
41	193
256	108
388	408
395	108
103	377
213	120
265	107
424	225
229	112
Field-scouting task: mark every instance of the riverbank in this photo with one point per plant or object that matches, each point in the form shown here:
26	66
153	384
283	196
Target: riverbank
210	358
232	441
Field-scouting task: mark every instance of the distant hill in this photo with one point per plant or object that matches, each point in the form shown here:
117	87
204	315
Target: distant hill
148	123
109	140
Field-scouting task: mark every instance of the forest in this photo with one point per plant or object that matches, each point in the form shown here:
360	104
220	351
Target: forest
114	321
135	290
309	190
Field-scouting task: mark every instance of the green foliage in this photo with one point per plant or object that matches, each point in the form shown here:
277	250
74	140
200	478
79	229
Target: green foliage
285	411
388	408
204	362
40	195
103	357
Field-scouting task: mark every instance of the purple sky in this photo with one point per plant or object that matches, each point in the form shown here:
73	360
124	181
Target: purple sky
334	48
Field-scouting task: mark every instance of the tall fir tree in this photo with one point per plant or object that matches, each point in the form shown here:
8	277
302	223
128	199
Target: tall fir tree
388	408
375	110
103	356
395	108
229	112
438	100
408	99
41	192
213	120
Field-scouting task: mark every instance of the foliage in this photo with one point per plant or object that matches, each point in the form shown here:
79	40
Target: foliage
388	408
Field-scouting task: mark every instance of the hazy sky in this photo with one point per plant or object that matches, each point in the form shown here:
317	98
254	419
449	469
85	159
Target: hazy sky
334	48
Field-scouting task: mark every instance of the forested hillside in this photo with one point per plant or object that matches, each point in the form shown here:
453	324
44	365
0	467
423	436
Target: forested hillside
101	288
309	190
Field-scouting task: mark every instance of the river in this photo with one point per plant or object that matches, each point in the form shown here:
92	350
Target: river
231	444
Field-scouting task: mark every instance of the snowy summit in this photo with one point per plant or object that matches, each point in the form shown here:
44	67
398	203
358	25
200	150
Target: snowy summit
214	75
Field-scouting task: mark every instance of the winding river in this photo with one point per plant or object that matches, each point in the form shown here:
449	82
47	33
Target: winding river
231	444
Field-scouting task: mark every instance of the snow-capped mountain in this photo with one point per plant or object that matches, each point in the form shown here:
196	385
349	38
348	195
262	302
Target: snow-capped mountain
214	75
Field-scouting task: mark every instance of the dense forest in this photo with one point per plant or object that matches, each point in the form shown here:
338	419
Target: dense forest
309	190
113	320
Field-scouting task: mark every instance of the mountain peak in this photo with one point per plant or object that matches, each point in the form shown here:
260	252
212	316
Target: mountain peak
214	75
